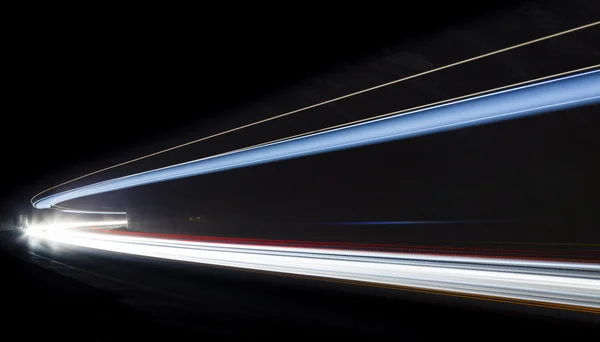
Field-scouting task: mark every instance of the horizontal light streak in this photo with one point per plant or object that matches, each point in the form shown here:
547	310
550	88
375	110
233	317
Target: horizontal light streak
557	283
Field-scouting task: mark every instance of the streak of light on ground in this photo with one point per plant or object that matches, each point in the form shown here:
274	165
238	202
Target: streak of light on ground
556	284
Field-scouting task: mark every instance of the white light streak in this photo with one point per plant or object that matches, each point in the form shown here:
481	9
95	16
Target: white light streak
62	225
551	282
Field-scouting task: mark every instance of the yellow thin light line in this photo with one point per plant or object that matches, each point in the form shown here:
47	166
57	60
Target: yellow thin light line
328	101
415	108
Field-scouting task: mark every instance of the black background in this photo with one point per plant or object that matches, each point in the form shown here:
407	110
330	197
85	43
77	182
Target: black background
86	86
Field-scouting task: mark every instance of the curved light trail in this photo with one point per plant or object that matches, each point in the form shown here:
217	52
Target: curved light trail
551	95
555	284
448	66
346	124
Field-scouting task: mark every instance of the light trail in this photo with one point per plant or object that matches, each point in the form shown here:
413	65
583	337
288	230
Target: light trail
75	211
428	105
563	285
346	124
62	225
465	61
551	95
414	247
405	223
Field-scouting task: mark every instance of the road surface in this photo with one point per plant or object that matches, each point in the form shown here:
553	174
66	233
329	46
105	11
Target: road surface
193	300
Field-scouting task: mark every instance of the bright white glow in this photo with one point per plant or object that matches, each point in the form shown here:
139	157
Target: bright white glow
62	225
557	283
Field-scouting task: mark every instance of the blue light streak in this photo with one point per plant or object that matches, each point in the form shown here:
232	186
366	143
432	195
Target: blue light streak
404	223
558	94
